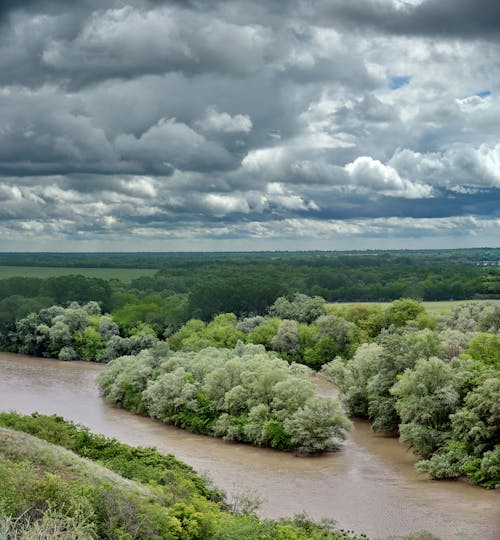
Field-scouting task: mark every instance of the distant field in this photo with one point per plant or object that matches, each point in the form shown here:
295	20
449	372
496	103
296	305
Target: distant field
445	308
124	274
433	308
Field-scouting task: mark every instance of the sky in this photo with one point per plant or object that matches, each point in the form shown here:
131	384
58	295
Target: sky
228	125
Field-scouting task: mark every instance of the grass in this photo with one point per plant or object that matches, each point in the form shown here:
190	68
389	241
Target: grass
51	493
433	308
446	307
123	274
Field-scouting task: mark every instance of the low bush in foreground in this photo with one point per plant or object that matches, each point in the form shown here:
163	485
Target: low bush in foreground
48	492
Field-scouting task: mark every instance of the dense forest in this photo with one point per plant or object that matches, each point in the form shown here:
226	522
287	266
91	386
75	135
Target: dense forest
224	344
200	286
434	382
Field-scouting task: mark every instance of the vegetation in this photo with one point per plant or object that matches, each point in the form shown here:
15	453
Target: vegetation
439	389
175	287
77	332
245	394
50	492
211	342
123	274
410	373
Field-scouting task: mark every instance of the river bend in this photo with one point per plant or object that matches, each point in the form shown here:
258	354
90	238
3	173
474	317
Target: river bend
369	486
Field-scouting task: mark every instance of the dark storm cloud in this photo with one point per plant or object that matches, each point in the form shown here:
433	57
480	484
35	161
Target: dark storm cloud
169	120
478	19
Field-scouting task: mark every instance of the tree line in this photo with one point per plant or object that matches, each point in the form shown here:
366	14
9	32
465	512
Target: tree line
200	286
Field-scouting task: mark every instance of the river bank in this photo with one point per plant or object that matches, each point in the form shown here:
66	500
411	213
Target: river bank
369	486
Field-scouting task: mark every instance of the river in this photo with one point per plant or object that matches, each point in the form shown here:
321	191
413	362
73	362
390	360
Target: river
369	486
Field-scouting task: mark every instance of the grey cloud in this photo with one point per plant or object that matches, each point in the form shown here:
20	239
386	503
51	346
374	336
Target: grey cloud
477	19
172	144
460	164
127	42
161	120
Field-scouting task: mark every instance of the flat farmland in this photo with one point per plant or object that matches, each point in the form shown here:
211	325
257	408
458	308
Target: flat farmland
432	308
123	274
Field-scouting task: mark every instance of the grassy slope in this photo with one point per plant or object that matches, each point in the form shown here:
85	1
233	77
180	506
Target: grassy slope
53	493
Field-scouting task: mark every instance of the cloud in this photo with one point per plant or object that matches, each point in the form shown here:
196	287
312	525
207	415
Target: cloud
375	176
223	122
460	164
239	121
450	18
170	144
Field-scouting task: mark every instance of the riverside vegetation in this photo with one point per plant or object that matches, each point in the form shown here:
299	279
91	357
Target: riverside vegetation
178	287
434	382
59	481
213	349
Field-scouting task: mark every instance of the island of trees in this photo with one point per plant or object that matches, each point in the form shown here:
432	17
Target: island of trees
434	382
224	345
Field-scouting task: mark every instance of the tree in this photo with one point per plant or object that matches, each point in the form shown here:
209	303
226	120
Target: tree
402	311
264	333
485	348
402	350
352	378
286	339
299	307
427	396
244	394
473	448
318	426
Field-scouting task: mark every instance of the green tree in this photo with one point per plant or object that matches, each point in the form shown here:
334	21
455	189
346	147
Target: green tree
402	311
474	448
427	396
299	307
402	350
485	348
318	426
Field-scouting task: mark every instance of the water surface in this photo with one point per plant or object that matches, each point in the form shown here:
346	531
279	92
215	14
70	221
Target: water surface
369	486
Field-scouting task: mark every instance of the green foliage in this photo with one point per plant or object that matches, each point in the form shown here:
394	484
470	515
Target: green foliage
427	396
404	310
310	427
473	449
143	465
245	394
195	335
369	318
402	350
239	292
287	339
299	307
485	348
48	492
264	333
352	378
77	332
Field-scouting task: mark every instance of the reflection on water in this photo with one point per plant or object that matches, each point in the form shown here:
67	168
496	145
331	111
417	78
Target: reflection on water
369	486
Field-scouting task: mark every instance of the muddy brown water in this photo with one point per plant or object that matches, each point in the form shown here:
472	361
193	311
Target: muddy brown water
369	486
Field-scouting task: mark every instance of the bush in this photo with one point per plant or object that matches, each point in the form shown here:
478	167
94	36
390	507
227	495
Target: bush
245	394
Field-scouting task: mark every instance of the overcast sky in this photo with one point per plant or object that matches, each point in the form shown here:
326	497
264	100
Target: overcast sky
249	124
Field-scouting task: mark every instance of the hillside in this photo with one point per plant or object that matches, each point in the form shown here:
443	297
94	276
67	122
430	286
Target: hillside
49	492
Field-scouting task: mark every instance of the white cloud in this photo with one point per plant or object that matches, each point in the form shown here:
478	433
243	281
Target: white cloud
375	176
171	143
458	164
223	122
221	205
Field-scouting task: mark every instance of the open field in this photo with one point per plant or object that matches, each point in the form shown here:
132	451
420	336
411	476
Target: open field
124	274
432	308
